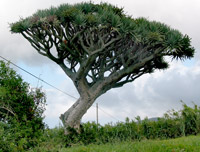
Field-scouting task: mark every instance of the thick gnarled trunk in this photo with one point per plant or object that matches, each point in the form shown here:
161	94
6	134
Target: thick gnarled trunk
72	117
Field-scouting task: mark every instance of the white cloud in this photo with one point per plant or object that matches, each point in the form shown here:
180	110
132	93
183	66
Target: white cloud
57	104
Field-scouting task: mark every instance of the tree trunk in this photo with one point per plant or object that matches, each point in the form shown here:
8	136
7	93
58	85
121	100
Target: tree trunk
72	117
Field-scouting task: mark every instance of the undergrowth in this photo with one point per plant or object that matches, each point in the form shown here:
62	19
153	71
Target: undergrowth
172	125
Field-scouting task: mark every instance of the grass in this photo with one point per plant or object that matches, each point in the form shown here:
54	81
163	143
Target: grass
183	144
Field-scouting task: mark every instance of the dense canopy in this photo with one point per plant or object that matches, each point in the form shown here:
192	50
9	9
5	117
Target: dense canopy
100	16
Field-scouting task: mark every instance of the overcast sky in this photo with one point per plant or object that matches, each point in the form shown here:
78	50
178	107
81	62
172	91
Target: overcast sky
150	95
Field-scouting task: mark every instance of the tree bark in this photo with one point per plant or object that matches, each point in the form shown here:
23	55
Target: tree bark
72	117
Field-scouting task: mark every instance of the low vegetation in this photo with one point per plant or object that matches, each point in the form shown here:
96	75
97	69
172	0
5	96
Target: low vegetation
169	133
183	144
22	128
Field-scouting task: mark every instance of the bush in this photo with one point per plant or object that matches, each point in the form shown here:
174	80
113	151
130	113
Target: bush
191	119
172	125
21	109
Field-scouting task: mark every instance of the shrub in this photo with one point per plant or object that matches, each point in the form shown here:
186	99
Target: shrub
21	110
172	125
191	119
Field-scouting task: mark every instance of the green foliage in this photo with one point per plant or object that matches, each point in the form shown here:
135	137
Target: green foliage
89	15
52	142
191	117
174	124
21	109
17	137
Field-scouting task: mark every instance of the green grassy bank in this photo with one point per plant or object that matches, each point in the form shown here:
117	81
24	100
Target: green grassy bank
183	144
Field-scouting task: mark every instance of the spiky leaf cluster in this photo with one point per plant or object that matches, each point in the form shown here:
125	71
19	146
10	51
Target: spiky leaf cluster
99	41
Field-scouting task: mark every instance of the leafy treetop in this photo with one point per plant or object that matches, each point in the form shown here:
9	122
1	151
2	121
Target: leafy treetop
99	41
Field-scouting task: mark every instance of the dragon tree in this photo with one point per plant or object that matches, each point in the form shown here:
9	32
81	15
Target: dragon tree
99	47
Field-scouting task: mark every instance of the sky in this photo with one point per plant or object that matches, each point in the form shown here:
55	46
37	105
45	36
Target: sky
151	95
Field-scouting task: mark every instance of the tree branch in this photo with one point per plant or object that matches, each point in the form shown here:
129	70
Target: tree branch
105	45
110	81
7	109
67	71
35	44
